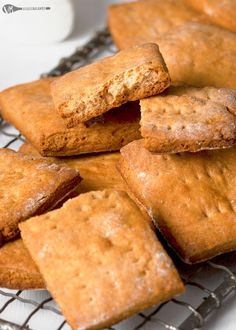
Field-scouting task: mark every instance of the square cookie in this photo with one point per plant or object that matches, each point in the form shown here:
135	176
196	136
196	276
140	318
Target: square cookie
189	119
219	12
100	259
30	186
17	269
200	55
94	89
137	22
190	196
30	109
99	171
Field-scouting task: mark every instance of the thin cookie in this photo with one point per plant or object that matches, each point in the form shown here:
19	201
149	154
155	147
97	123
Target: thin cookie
220	12
92	90
99	245
30	186
17	269
30	109
200	55
189	119
137	22
99	171
190	196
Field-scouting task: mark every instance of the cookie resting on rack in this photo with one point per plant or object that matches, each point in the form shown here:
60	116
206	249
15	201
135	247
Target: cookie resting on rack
17	269
92	90
191	197
29	107
30	186
189	119
100	246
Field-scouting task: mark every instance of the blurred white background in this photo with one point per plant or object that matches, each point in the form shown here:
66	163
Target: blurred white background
24	57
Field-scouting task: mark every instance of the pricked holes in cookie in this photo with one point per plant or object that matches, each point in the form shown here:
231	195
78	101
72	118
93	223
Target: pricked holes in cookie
204	214
107	242
143	273
53	227
91	300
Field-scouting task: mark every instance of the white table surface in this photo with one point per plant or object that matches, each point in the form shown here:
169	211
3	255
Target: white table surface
23	63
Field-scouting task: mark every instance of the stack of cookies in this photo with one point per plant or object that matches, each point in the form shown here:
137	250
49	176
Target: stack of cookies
147	150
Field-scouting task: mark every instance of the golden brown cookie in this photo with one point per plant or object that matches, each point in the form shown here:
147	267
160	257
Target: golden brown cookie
143	21
92	90
30	109
196	54
220	12
17	269
191	197
189	119
99	245
30	186
200	55
99	171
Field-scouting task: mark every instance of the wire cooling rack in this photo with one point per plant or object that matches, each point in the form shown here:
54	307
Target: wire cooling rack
208	285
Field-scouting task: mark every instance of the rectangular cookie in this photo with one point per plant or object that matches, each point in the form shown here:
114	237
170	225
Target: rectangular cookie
208	61
17	269
99	171
100	259
30	186
30	109
189	119
219	12
137	22
190	196
94	89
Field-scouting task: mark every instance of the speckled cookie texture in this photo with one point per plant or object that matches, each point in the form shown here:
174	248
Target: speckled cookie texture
17	269
220	12
200	55
30	109
137	22
190	196
99	171
92	90
98	245
30	186
189	119
196	53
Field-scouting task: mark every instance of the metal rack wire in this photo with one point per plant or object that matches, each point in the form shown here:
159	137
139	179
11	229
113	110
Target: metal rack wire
208	285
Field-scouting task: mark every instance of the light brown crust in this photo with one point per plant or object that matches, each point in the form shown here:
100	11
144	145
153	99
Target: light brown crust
30	109
92	90
30	186
200	55
191	197
99	245
189	119
17	269
98	171
189	49
137	22
220	12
